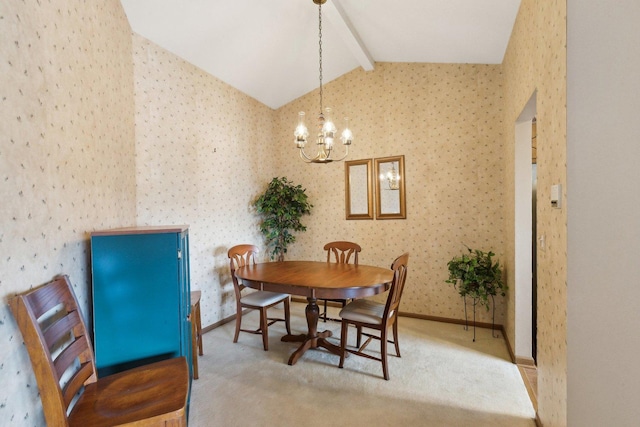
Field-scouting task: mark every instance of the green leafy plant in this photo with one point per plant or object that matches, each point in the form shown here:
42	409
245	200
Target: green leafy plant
476	275
281	207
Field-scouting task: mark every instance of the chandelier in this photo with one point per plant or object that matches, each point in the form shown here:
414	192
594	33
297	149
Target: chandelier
326	129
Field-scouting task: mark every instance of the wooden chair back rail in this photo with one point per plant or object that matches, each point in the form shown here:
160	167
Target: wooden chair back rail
399	268
60	350
240	256
77	381
243	255
62	327
342	252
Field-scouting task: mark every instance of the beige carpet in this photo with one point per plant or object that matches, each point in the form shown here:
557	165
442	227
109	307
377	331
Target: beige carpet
442	379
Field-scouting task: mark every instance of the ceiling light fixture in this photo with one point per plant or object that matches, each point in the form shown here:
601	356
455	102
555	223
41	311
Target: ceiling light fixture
326	129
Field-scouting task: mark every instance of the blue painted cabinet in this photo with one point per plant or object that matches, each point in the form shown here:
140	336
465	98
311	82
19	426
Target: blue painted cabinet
141	296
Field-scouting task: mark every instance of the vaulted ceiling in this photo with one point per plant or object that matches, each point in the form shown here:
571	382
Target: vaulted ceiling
269	49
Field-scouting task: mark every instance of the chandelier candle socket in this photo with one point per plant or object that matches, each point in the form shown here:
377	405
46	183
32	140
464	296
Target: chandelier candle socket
326	128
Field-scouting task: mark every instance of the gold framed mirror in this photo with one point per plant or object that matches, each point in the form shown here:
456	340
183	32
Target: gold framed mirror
390	188
358	178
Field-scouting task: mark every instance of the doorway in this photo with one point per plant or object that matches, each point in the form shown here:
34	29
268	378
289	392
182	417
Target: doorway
525	234
534	241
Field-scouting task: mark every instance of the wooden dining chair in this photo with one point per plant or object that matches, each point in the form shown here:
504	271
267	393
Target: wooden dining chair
340	252
365	313
59	346
242	255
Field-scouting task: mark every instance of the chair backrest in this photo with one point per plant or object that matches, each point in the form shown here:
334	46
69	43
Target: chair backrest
399	267
58	344
239	256
342	252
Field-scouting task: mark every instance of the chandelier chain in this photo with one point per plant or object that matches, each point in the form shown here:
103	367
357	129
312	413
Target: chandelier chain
320	49
327	132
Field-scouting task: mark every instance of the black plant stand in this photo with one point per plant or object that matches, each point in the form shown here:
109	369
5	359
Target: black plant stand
493	319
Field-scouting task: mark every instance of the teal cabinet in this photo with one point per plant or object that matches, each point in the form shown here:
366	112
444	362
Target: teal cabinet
141	296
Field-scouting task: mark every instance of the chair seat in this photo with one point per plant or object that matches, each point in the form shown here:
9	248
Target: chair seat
363	310
262	298
149	392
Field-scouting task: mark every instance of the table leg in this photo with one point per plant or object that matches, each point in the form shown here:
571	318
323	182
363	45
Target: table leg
313	339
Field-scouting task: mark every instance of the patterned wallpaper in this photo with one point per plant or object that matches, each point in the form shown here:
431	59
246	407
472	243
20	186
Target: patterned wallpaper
66	159
536	60
194	135
447	121
203	152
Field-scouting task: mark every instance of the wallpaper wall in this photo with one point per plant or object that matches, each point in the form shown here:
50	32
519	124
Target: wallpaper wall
66	159
536	60
446	119
194	135
204	152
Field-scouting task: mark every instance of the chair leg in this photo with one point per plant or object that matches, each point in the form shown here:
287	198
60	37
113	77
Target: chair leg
199	320
287	311
395	337
194	347
238	323
359	336
264	328
324	316
383	351
343	342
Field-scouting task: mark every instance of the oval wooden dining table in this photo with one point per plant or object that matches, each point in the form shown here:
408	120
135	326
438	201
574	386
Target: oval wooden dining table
313	280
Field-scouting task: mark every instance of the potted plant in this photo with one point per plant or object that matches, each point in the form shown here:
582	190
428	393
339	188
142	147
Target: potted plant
281	207
475	274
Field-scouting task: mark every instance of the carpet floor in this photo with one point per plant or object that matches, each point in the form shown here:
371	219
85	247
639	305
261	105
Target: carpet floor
442	379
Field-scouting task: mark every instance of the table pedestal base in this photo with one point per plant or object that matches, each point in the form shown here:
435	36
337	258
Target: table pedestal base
313	339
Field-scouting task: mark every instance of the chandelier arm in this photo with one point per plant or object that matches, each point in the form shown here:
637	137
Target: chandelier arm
344	156
306	158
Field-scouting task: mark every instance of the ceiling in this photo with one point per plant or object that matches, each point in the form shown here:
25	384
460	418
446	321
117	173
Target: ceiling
269	49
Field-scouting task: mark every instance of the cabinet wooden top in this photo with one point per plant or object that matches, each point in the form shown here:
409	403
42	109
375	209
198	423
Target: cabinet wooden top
150	229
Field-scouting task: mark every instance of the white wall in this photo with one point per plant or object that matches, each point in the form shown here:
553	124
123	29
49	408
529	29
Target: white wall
603	202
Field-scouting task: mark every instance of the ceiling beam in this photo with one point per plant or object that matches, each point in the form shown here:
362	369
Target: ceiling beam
340	21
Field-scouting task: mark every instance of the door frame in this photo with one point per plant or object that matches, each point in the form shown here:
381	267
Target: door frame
523	234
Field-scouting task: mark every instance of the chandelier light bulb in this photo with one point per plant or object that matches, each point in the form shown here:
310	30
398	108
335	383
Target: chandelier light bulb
301	133
347	135
328	128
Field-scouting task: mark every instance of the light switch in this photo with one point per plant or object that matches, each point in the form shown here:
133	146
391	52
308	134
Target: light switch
556	196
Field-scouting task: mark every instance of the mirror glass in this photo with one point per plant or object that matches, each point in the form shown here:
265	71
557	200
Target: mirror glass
359	189
390	193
